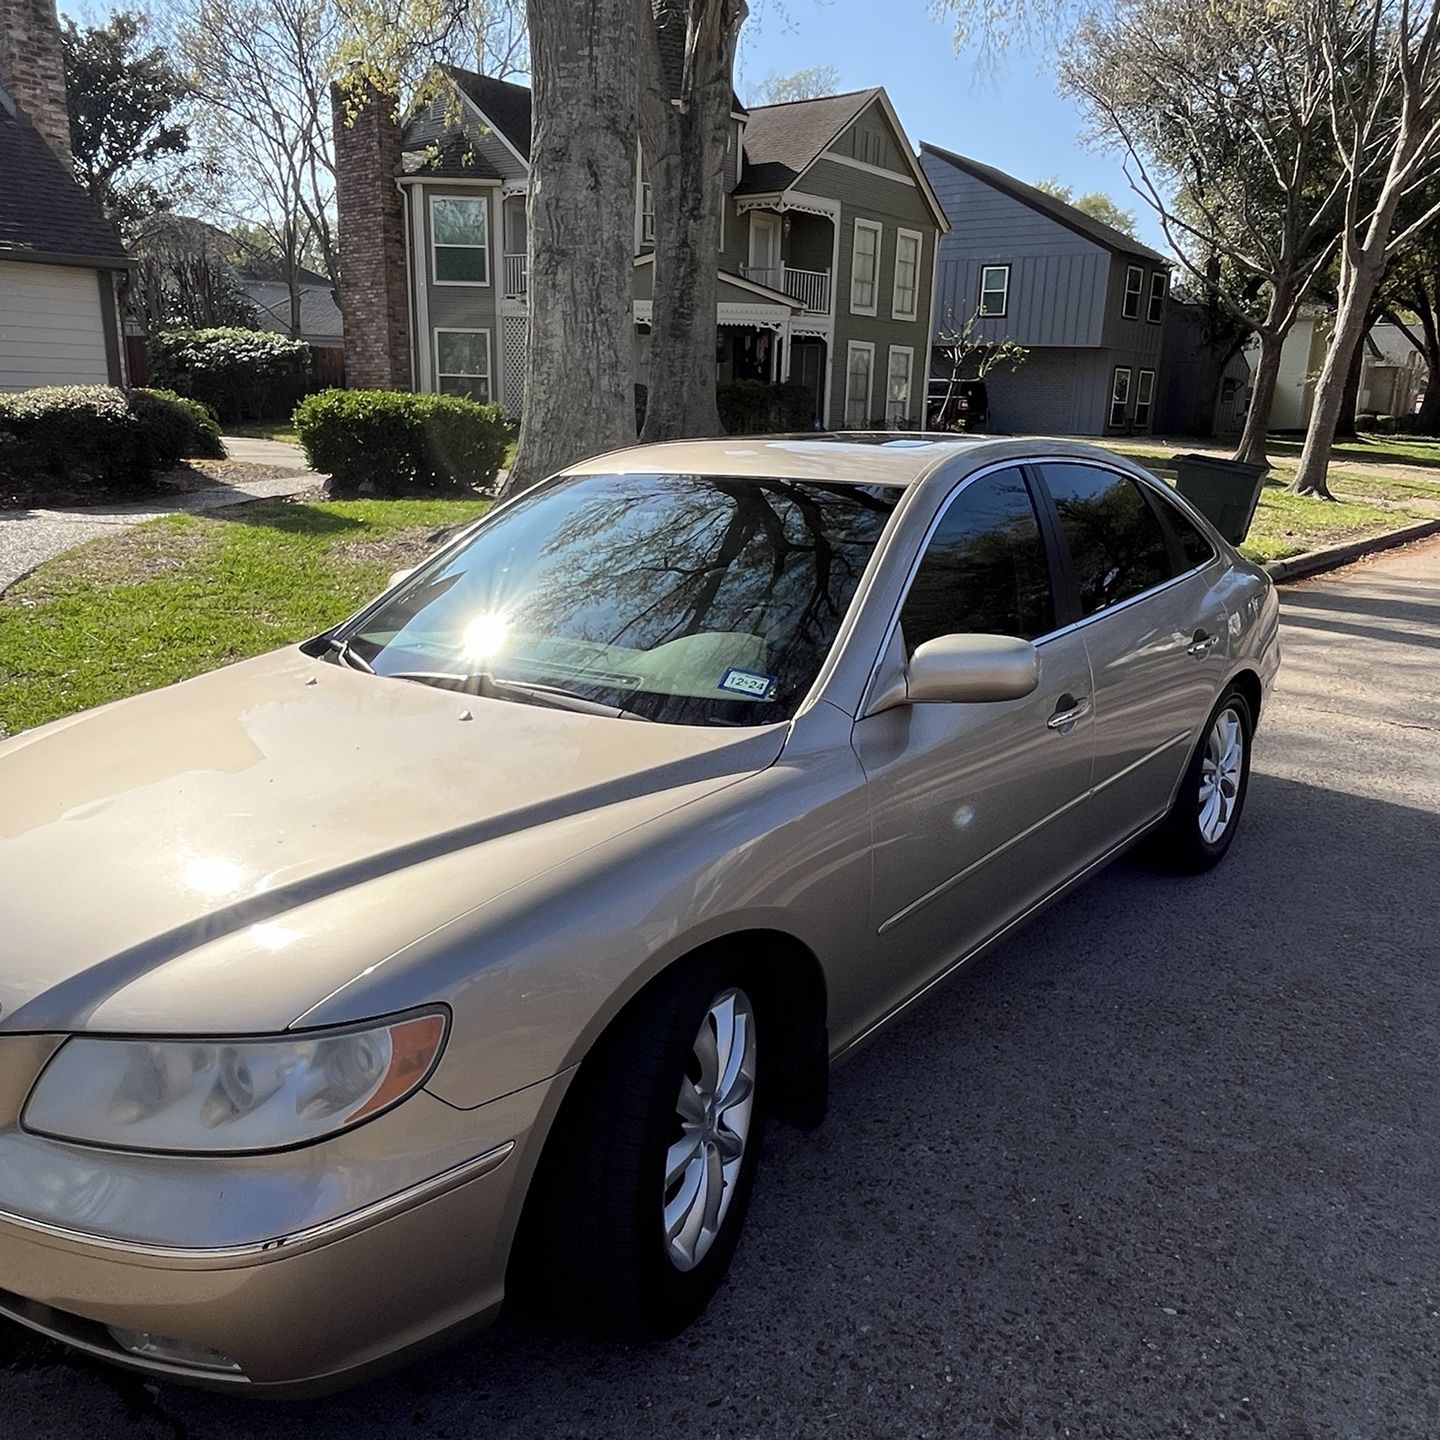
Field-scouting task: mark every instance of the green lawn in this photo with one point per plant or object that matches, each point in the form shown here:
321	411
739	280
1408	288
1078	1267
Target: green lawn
183	594
265	430
1367	501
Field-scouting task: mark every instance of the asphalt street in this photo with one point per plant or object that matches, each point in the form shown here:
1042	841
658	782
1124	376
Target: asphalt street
1167	1164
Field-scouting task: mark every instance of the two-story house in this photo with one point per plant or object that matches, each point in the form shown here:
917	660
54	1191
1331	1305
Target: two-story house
825	268
1085	299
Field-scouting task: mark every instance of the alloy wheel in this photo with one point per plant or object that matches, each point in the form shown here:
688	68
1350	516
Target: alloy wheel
1220	771
712	1126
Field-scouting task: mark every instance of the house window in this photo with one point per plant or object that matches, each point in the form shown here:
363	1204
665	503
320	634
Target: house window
859	372
1119	397
1144	395
647	213
897	387
864	268
460	239
1157	298
994	292
907	275
1134	289
462	363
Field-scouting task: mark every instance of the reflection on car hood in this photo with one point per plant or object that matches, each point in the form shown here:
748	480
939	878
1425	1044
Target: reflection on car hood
132	834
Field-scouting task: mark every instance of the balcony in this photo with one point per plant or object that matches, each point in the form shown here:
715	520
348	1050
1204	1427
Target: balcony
516	278
810	287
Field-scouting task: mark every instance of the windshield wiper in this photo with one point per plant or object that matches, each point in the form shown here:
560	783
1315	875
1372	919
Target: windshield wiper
488	687
349	655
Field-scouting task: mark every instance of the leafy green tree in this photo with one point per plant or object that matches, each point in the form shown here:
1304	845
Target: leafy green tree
807	84
1094	203
127	104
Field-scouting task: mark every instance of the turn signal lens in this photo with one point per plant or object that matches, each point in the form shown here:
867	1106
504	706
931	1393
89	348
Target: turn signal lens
201	1097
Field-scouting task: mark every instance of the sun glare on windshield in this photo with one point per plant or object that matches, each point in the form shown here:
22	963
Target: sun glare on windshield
485	636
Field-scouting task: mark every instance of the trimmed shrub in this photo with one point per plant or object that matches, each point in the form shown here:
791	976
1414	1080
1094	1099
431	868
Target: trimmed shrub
751	407
387	442
177	428
97	435
240	374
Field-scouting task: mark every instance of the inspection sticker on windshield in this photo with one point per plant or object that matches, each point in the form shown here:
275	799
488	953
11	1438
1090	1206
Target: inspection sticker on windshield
747	683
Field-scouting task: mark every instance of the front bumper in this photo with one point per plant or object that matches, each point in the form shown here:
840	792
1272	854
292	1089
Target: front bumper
304	1308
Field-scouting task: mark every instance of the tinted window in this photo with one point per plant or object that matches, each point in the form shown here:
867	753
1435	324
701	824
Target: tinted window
687	599
984	572
1195	548
1117	548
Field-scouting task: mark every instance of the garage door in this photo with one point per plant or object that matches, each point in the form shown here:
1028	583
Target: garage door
50	327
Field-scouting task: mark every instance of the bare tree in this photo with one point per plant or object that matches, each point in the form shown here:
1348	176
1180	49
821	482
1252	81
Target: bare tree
261	70
1383	62
1223	118
579	363
683	136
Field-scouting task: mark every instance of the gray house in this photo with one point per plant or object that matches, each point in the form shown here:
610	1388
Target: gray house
824	271
1087	301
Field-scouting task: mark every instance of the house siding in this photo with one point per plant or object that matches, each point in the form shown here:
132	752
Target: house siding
53	327
452	307
1058	279
892	205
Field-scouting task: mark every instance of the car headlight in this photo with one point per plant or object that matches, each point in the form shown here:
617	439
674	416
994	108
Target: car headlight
198	1097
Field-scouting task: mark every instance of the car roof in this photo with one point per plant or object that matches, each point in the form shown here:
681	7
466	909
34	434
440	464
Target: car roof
884	457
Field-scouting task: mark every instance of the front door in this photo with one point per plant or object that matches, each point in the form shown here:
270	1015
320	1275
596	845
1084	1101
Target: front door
807	368
1155	630
765	249
978	810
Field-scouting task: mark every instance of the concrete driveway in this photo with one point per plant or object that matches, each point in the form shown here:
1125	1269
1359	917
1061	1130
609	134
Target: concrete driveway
1165	1165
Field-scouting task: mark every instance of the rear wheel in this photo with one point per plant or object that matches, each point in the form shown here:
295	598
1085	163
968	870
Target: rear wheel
648	1177
1206	814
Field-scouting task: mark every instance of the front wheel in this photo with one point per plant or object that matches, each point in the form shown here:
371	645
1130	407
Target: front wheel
650	1171
1206	813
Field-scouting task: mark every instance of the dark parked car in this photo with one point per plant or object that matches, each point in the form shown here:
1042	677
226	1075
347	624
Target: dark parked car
959	405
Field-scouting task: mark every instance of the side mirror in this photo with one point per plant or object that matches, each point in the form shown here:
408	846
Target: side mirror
961	668
396	576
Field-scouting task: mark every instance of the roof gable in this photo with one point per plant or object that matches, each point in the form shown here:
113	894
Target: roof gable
506	107
45	213
1050	206
793	135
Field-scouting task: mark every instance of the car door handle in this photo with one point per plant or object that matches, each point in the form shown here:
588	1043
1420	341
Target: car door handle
1068	711
1200	645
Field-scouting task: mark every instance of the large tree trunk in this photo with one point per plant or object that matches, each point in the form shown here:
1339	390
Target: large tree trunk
1350	396
579	362
1427	418
684	146
1251	448
1358	281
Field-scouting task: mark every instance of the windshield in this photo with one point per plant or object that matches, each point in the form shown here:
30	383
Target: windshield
685	599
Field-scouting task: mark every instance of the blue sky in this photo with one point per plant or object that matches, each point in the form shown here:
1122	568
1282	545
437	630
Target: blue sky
1011	117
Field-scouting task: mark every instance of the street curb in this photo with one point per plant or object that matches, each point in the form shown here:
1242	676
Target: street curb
1315	562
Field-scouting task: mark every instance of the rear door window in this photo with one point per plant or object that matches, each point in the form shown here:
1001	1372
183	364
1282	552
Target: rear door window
1116	542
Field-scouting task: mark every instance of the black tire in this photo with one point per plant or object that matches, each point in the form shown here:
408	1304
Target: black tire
1179	843
594	1240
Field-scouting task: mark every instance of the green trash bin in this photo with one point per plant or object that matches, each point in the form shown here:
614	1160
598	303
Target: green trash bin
1225	492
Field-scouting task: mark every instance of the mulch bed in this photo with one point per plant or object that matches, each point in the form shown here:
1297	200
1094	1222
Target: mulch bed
48	493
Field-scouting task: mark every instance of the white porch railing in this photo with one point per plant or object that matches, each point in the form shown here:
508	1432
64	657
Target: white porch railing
516	278
810	287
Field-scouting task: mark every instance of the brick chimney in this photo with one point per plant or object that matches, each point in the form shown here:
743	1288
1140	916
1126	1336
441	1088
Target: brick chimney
32	69
371	216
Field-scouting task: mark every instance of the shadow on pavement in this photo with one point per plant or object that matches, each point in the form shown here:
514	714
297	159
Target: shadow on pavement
1163	1164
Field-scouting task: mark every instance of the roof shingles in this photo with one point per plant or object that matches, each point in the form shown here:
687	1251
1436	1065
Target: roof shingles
44	213
782	140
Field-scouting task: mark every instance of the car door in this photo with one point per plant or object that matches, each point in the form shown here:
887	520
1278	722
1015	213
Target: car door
977	809
1155	629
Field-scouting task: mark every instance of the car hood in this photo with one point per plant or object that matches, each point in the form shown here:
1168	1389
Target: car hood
136	833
